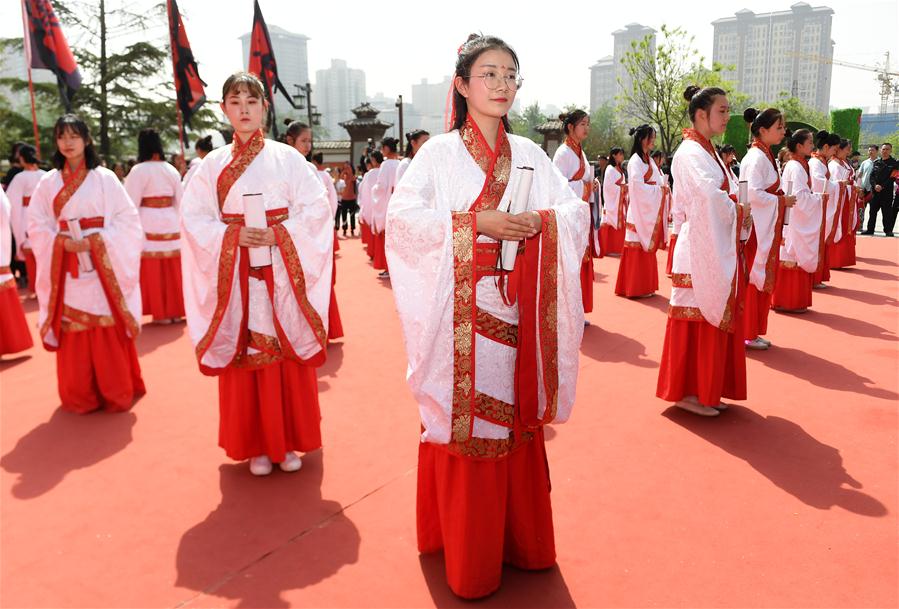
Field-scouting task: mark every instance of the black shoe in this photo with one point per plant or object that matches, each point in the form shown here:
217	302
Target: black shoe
888	234
868	232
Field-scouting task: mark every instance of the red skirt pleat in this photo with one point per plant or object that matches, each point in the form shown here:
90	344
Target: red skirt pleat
755	313
671	243
269	411
484	512
587	283
638	273
30	268
14	333
335	326
700	360
842	253
98	368
612	239
823	272
160	287
365	234
380	256
336	242
792	289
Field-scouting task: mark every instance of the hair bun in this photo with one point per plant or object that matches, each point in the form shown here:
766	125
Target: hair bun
690	91
788	133
632	131
750	114
823	134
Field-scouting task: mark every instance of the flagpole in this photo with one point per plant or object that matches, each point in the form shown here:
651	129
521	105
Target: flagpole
168	8
26	42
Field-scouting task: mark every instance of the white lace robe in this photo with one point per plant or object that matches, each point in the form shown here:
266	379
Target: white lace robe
156	179
382	193
611	195
444	179
802	234
644	203
756	169
22	186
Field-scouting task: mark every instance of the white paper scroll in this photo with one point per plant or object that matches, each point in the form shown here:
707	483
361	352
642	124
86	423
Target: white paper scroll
788	190
84	258
254	217
518	204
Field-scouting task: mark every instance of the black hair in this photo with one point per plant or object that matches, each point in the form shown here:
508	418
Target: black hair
469	52
800	136
701	98
390	142
614	151
377	155
855	153
844	143
318	158
874	146
295	128
413	136
14	151
571	119
28	154
204	144
727	149
641	133
761	120
148	144
657	154
824	138
887	144
73	123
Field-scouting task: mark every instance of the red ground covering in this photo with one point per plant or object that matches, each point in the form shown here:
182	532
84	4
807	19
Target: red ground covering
788	501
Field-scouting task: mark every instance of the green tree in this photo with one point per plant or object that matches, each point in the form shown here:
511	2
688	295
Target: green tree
795	110
525	123
605	132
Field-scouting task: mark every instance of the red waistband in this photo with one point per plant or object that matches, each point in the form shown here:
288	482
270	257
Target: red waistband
85	223
272	217
156	202
4	270
26	201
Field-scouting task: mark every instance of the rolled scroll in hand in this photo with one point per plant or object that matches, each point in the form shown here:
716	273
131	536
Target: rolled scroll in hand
518	204
254	217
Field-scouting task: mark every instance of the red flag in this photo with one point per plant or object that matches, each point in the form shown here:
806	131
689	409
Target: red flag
262	62
47	47
188	84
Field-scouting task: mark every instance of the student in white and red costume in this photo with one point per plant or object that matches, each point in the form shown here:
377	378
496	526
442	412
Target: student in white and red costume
703	358
841	253
802	249
572	162
415	139
260	330
614	210
769	203
19	192
14	333
647	219
202	147
366	199
90	318
493	356
826	145
155	188
381	194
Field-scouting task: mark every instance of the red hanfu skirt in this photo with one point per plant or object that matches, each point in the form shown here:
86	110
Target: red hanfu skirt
269	411
842	253
823	272
671	243
14	333
755	313
638	273
587	283
30	267
335	326
612	239
98	368
380	256
700	360
336	243
365	234
484	512
792	289
160	287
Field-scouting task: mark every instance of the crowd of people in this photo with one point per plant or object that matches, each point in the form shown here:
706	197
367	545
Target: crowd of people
489	246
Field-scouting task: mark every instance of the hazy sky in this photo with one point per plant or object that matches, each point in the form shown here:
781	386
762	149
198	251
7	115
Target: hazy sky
398	43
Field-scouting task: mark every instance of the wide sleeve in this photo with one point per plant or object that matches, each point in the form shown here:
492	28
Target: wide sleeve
610	195
177	188
383	193
565	162
17	214
121	231
572	224
5	232
134	185
419	247
42	231
646	200
303	269
331	192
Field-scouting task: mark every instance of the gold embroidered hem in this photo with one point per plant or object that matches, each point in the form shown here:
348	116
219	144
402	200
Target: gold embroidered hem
110	284
72	179
224	281
464	298
633	244
157	202
75	320
9	284
162	236
494	410
485	448
242	156
682	280
685	313
165	254
788	264
496	329
298	283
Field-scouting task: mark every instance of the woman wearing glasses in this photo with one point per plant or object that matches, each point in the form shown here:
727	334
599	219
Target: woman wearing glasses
492	355
572	162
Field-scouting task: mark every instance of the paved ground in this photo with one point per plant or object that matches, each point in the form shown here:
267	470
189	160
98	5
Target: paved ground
787	501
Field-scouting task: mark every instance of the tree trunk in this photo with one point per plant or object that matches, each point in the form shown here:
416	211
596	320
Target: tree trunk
104	108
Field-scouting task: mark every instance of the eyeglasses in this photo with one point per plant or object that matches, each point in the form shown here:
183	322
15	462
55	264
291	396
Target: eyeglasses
493	80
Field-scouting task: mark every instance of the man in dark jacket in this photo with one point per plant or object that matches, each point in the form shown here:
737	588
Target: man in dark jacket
882	187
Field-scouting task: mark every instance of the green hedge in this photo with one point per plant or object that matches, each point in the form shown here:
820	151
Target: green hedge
847	123
737	134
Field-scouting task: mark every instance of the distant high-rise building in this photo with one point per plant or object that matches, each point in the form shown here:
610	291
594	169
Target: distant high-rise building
602	82
430	104
608	76
780	52
337	91
12	65
293	66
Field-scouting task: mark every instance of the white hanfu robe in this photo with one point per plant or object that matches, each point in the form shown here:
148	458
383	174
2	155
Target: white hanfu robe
802	236
155	188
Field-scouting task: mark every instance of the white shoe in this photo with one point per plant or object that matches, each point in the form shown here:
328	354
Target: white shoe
765	340
260	466
819	286
721	407
291	463
756	343
697	408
